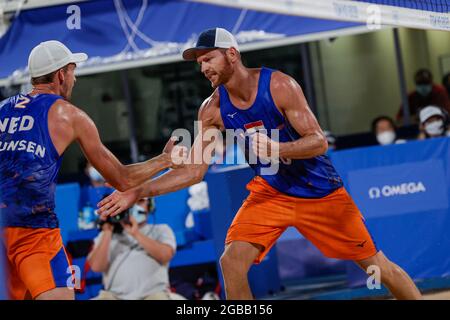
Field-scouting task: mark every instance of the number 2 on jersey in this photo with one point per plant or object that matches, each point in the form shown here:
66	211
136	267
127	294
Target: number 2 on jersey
23	103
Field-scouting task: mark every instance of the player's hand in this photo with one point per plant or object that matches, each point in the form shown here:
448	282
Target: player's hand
177	154
118	202
264	147
132	229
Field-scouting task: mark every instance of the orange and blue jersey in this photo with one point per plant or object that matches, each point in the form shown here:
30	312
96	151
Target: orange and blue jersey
37	261
29	162
304	178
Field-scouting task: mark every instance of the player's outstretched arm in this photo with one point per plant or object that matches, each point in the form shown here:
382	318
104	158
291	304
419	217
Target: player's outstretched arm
191	173
288	96
115	173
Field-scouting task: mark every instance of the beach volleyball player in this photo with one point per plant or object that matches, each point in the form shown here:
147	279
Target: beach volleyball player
306	192
35	130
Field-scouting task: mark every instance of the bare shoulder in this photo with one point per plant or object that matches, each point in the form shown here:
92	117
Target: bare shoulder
64	114
282	81
65	110
61	111
209	111
286	92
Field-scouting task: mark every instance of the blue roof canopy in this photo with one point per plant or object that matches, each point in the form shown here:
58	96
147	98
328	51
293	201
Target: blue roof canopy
113	31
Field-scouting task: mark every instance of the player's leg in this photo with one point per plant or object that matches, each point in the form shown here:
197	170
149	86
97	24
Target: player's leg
258	224
57	294
41	262
235	263
392	276
16	288
336	227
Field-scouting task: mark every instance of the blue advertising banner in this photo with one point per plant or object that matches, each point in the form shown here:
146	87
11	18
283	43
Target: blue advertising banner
404	188
402	191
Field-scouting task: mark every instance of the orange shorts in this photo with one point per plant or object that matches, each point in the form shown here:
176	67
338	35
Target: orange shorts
37	261
332	223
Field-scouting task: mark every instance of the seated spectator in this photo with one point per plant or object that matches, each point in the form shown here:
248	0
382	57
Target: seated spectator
385	131
433	123
95	177
134	257
426	93
93	189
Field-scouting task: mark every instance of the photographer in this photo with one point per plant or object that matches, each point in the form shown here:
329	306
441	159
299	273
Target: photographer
134	256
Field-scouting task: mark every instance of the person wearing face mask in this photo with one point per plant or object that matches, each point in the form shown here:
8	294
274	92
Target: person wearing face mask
95	177
426	93
433	123
135	262
385	131
93	189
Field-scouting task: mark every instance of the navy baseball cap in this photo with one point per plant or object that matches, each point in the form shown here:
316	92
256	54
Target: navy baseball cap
211	39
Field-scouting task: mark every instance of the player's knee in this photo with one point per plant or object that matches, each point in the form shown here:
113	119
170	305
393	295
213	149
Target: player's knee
230	265
226	262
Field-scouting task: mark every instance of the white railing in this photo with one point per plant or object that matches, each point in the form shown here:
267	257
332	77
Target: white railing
346	10
12	6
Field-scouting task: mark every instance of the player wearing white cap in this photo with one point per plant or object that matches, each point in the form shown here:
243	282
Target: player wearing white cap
35	130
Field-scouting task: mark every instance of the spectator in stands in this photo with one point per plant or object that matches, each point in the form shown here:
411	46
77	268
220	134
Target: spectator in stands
446	83
92	191
385	131
426	93
95	177
134	257
434	122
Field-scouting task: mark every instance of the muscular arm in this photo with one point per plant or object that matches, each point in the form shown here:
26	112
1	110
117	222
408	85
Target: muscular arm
68	123
191	173
199	157
289	98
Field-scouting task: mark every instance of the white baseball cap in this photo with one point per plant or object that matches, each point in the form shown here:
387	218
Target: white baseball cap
50	56
211	39
427	112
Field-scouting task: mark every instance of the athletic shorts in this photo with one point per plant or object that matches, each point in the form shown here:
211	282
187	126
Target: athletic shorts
332	223
37	261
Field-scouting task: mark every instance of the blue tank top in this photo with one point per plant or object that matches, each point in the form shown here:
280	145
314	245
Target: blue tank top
29	162
305	178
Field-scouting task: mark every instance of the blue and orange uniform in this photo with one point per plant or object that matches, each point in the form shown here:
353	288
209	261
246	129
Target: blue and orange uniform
305	193
28	169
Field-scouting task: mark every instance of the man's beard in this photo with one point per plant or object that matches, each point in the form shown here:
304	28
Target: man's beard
221	80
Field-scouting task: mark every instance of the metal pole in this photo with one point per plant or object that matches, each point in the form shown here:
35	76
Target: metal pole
134	154
401	77
307	77
322	83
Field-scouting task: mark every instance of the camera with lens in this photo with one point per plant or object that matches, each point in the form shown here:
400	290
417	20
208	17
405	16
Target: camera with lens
116	221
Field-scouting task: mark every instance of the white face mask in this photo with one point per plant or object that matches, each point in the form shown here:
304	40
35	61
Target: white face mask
138	213
435	128
386	137
95	175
